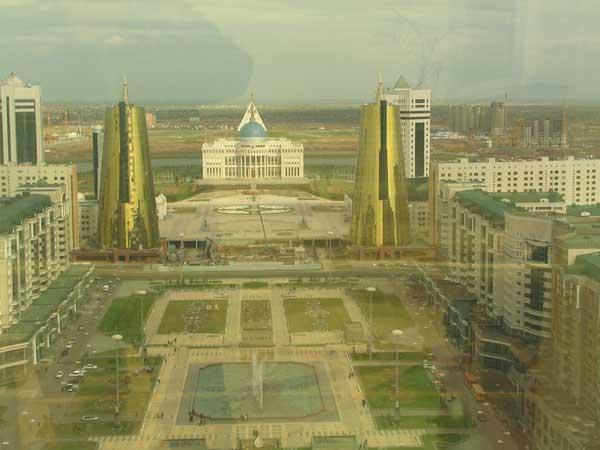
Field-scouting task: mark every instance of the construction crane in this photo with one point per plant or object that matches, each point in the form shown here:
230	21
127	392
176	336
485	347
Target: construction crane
213	251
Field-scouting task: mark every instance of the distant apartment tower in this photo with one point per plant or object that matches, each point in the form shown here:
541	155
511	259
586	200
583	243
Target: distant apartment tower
497	118
415	123
542	133
97	144
473	119
20	122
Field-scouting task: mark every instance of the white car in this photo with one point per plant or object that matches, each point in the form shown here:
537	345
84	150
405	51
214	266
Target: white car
69	346
89	418
60	374
90	367
76	373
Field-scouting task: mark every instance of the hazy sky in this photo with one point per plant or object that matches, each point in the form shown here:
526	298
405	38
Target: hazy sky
301	50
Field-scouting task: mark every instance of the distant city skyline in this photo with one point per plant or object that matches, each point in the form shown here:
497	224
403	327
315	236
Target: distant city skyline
192	51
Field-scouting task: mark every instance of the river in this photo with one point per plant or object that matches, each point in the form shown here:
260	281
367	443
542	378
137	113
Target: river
86	166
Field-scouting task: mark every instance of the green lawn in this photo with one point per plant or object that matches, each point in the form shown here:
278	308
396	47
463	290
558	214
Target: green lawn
388	312
315	314
435	442
124	315
192	316
255	285
420	422
416	389
71	445
389	356
97	397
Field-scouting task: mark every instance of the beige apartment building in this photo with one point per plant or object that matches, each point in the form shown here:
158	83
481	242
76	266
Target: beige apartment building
34	248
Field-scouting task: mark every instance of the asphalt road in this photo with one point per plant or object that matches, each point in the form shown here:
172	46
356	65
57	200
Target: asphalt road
41	394
491	434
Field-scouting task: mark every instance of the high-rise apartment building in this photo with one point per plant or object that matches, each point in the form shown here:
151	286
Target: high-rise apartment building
34	246
126	207
380	214
97	146
574	179
14	177
567	401
415	123
20	122
498	246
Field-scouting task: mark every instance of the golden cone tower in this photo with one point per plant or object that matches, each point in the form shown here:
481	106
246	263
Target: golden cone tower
380	205
127	216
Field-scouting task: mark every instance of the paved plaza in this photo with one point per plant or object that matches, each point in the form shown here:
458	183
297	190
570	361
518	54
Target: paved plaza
230	218
306	390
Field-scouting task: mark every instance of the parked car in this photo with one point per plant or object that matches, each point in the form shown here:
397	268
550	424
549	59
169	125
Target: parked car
60	374
69	346
89	418
90	367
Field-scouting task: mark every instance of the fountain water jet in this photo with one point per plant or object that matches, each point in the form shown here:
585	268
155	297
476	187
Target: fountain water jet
257	379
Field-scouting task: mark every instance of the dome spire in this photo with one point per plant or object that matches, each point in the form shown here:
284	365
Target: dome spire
251	115
253	110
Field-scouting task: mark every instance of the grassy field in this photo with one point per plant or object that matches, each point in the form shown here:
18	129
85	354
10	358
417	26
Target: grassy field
389	356
71	445
440	441
421	422
416	389
97	397
191	316
255	285
123	316
177	191
388	312
315	314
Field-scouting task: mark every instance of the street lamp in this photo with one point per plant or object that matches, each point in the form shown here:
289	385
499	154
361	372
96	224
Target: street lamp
142	294
181	235
397	335
117	338
330	234
371	291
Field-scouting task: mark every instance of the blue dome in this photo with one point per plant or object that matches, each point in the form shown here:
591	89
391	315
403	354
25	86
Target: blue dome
253	130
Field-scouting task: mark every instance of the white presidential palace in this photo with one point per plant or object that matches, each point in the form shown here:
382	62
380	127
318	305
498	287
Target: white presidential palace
253	157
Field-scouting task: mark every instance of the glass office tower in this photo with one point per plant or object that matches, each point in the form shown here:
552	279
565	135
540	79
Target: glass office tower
127	209
380	209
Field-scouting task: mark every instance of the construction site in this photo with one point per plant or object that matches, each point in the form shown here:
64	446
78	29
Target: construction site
218	228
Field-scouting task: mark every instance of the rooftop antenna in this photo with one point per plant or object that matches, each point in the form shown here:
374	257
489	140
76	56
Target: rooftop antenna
125	96
379	94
